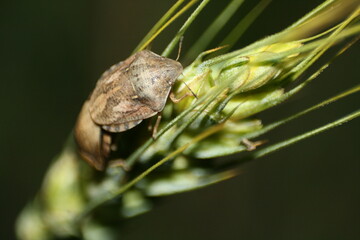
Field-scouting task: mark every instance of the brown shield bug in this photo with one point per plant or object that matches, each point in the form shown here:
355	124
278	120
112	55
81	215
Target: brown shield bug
126	94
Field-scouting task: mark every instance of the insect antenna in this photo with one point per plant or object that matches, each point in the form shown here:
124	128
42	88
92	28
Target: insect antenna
190	90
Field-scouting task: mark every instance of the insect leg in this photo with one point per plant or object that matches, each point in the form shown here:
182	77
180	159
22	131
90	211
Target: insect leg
156	126
252	145
119	163
187	94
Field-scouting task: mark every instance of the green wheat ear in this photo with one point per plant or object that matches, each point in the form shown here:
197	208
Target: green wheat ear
230	87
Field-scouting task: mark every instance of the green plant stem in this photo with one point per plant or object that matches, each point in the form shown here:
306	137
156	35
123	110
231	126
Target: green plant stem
166	24
156	27
244	24
318	35
209	34
312	13
286	143
302	113
170	47
319	51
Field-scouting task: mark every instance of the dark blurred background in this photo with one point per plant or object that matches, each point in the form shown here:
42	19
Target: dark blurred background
52	52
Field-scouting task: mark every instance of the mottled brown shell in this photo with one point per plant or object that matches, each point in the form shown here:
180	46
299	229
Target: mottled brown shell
132	91
127	93
93	143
